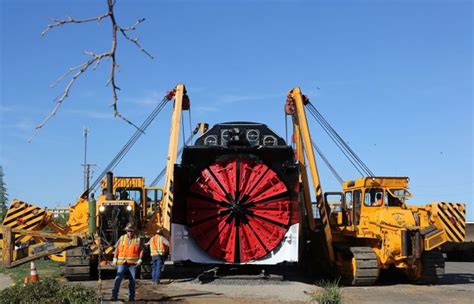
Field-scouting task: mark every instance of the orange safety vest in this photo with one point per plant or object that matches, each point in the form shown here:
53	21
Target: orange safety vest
157	246
128	250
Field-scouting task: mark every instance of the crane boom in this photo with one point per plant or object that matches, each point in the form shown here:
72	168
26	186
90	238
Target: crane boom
295	104
181	103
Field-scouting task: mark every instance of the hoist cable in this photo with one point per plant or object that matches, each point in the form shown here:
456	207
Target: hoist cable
190	122
349	150
182	128
328	164
336	142
342	145
126	148
163	171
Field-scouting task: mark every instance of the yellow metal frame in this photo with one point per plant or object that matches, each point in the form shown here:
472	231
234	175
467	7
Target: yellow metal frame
304	152
163	218
10	256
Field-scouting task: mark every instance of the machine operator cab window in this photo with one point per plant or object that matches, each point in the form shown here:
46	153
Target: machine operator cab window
373	197
336	203
153	199
353	204
349	207
130	194
357	201
376	197
127	194
397	197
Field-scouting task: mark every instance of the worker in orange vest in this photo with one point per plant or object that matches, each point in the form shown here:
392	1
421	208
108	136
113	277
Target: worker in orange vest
128	256
158	250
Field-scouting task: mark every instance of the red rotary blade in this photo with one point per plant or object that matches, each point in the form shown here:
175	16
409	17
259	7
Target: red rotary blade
238	210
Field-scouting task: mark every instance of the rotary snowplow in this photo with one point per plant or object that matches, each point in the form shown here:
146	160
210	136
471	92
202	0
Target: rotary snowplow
236	198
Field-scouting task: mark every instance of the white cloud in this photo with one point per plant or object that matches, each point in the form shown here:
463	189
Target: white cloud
4	109
91	114
209	109
230	98
24	125
148	100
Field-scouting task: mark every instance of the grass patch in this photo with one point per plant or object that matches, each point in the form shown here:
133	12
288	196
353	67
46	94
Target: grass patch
45	268
48	291
331	293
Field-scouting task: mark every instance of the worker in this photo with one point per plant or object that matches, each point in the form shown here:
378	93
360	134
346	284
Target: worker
378	200
128	256
393	201
124	195
158	249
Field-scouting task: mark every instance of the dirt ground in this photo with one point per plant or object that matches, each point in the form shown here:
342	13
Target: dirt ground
5	281
457	286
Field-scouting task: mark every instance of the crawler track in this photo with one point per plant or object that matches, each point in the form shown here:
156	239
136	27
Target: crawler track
360	266
432	267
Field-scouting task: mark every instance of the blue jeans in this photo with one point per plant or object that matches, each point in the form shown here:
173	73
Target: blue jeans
121	269
157	262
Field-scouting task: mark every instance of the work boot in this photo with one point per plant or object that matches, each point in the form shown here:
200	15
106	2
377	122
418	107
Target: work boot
113	298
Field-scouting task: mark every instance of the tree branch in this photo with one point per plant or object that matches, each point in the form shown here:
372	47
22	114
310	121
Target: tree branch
61	22
135	41
94	61
134	26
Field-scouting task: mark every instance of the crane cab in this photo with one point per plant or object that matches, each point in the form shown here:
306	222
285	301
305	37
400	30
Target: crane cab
125	200
362	199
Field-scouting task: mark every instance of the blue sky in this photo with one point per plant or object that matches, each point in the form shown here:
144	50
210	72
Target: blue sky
394	78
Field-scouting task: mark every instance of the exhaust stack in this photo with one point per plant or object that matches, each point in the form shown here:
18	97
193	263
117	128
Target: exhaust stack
110	186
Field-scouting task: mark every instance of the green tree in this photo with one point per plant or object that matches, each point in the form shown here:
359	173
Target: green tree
3	196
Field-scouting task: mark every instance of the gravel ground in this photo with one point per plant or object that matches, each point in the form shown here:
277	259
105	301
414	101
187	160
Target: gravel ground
294	292
5	281
457	286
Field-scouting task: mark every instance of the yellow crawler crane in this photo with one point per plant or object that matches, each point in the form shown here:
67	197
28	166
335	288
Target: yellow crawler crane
368	226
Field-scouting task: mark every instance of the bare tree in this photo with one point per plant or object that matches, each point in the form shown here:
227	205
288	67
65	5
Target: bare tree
95	59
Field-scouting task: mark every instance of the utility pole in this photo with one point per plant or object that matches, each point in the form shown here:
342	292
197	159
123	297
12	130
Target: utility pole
87	166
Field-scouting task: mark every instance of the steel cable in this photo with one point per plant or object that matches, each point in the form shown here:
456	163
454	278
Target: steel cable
336	142
349	150
326	161
163	171
126	148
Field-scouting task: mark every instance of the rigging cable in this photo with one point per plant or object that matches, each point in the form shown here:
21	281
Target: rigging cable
163	171
339	146
326	161
126	148
345	145
355	160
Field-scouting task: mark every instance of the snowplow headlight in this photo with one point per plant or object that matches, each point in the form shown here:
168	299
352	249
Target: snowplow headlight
129	208
101	208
